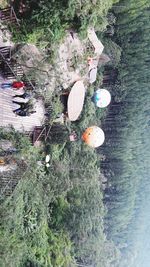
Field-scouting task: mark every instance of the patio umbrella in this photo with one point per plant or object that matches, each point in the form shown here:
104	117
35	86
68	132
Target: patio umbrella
76	101
93	136
102	98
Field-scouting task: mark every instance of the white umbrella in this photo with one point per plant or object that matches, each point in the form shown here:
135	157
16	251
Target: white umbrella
76	101
102	98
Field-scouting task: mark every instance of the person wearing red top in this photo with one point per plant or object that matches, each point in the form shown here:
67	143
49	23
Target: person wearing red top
15	85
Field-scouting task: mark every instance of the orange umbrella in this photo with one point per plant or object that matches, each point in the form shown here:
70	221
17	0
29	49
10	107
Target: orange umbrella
93	136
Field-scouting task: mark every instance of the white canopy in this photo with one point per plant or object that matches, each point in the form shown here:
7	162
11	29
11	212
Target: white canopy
95	41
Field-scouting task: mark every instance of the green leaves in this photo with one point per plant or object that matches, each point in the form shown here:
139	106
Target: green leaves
59	15
127	149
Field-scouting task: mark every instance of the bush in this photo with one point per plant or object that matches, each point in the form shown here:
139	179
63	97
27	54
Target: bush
53	18
113	51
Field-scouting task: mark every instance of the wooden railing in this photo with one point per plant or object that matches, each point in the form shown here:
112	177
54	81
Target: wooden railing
8	15
11	69
9	180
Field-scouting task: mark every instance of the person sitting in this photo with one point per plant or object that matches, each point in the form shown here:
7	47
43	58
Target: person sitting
23	113
25	109
23	105
24	96
15	85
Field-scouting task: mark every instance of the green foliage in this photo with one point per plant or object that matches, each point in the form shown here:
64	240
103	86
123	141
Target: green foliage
113	51
57	214
50	19
27	231
126	128
20	142
57	107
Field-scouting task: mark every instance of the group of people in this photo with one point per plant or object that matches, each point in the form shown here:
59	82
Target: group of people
26	108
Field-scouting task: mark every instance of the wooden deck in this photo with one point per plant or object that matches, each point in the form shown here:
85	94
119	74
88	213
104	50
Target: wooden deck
8	118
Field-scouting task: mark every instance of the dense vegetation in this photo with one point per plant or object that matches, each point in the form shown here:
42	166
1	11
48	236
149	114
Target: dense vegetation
60	216
127	136
49	19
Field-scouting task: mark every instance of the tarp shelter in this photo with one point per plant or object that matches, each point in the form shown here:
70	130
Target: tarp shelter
95	41
76	101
